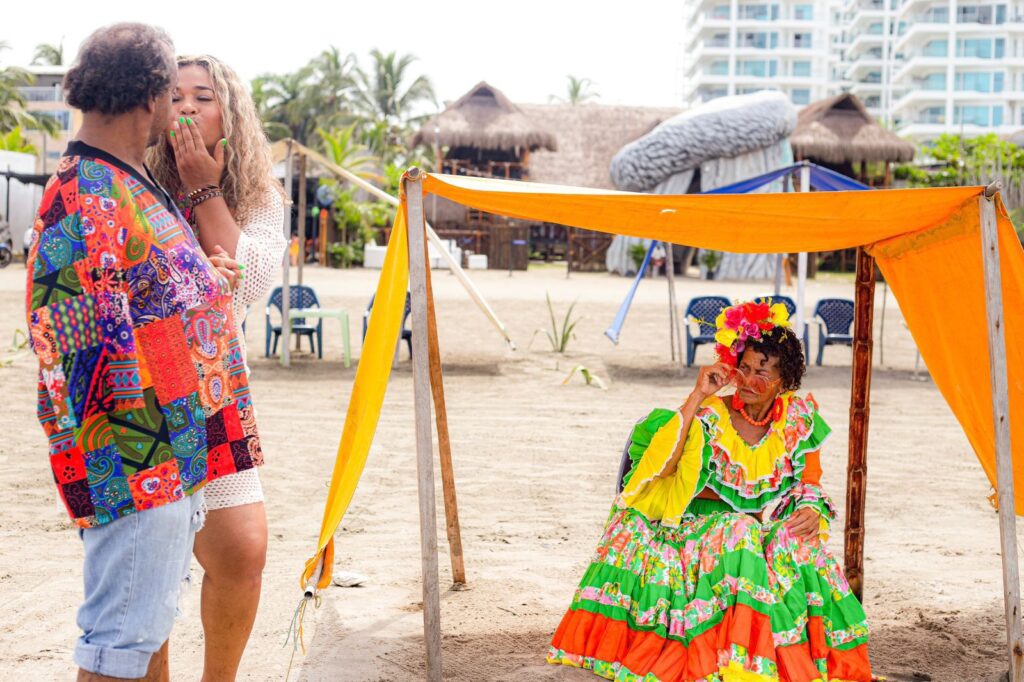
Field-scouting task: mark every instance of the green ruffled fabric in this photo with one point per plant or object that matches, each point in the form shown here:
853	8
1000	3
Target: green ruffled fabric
641	435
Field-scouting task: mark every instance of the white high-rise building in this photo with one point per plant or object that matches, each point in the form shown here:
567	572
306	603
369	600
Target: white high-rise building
732	47
922	67
958	68
865	52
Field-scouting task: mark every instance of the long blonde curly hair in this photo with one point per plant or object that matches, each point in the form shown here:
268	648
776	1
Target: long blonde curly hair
247	162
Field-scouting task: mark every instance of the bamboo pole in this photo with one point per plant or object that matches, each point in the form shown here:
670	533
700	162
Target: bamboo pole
801	282
424	446
451	503
286	293
1001	426
860	411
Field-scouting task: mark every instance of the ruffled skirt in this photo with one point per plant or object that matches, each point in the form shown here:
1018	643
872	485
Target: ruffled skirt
723	597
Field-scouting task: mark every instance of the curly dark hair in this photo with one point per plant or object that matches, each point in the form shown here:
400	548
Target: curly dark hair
121	67
783	343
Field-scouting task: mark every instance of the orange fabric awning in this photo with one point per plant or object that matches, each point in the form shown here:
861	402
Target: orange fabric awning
927	243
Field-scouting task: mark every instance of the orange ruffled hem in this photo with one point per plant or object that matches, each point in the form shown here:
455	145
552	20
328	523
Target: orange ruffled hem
589	635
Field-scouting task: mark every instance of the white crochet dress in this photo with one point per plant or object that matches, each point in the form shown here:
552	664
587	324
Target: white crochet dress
261	250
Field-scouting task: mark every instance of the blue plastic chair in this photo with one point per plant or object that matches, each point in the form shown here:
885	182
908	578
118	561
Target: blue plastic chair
299	296
705	309
406	333
834	317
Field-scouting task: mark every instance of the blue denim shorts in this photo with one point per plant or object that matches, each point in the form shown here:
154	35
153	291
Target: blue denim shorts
134	568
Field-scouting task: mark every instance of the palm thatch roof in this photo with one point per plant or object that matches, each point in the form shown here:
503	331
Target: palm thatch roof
484	118
840	130
588	136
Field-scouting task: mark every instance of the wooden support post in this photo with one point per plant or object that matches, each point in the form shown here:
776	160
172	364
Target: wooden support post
675	330
444	443
424	444
286	290
302	214
860	411
1001	426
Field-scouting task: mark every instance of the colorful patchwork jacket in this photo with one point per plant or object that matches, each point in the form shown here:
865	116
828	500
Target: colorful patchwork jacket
142	387
783	469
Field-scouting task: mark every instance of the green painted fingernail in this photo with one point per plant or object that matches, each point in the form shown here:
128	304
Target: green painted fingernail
189	121
223	143
241	267
172	133
181	119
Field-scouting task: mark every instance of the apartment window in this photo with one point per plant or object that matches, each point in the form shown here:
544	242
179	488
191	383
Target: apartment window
873	77
981	14
933	81
979	115
759	40
979	81
873	102
936	15
875	28
757	67
759	12
935	48
800	96
749	91
718	40
802	69
720	12
713	93
803	12
802	40
981	48
719	68
63	118
932	115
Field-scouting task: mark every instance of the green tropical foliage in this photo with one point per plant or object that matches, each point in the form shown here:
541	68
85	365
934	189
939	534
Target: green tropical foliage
14	141
577	91
49	54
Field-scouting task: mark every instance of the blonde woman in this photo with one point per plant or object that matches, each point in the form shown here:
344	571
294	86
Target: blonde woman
215	160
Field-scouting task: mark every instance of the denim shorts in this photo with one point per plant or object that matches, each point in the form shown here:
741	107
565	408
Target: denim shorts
134	568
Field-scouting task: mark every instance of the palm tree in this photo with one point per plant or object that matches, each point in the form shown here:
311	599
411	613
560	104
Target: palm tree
13	111
14	141
579	91
343	149
383	95
49	54
336	76
288	103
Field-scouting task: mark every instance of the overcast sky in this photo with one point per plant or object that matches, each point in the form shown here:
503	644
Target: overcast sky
631	50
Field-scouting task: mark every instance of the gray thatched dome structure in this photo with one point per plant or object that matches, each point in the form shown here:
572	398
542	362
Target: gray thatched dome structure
484	118
839	130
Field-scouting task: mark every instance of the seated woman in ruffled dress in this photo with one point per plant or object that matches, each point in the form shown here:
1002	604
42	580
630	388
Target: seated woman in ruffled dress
690	580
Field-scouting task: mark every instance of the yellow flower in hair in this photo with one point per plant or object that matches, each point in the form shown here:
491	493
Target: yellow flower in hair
725	336
780	316
720	320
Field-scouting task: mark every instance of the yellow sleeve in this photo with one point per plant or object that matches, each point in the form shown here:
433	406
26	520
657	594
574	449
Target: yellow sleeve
665	499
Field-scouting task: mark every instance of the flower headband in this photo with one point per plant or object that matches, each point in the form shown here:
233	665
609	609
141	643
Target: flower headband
744	321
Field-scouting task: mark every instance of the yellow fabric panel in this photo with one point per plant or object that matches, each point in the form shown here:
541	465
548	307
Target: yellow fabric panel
367	395
749	223
665	499
938	278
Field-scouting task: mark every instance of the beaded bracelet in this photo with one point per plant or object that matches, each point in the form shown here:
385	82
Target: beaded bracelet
209	194
196	192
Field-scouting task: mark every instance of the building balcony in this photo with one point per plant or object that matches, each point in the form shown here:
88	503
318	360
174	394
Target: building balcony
918	65
918	99
863	43
862	67
918	34
863	90
42	94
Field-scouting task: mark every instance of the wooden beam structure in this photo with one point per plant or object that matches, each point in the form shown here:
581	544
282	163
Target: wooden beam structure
860	411
1001	426
424	444
444	445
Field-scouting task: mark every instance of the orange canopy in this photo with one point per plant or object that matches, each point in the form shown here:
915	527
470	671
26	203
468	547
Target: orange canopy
927	243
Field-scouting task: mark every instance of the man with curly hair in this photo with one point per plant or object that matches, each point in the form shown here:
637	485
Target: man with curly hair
142	389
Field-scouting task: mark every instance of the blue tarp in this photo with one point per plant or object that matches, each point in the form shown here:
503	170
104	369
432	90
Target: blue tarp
822	179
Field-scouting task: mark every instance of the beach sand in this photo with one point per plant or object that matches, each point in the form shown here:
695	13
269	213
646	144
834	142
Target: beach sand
535	465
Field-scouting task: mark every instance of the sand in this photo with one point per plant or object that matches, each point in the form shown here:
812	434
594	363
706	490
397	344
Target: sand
535	464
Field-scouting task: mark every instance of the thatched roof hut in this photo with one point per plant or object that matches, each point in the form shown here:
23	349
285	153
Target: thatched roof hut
484	118
840	131
588	137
